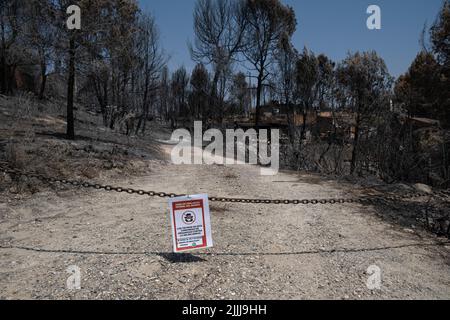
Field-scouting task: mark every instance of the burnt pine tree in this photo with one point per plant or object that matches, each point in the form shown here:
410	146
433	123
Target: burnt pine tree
219	27
268	22
365	81
307	80
440	38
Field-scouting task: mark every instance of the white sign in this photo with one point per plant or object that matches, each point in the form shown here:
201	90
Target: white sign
191	223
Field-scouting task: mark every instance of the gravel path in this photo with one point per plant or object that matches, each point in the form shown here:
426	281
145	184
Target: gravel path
122	244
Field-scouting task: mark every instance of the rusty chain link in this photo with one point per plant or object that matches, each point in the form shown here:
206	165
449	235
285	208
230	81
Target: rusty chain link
362	200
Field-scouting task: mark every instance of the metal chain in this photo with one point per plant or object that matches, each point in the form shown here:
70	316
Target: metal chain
362	200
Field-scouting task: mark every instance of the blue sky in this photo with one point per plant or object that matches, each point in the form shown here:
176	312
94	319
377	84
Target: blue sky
333	27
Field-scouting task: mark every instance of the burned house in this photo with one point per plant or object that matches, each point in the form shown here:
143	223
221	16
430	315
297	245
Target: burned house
340	126
323	125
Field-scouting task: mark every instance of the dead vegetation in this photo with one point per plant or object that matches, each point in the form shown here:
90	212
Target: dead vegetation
429	213
32	139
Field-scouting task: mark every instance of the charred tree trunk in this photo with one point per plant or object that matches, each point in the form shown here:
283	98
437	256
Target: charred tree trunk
70	91
258	100
43	80
290	120
355	145
4	77
214	96
104	102
305	118
144	114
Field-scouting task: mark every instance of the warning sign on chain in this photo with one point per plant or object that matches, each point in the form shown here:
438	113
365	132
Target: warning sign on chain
191	223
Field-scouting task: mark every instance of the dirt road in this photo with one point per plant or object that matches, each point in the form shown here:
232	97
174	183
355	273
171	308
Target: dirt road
122	244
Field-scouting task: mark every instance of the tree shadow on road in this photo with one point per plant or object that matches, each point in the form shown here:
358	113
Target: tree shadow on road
430	214
181	258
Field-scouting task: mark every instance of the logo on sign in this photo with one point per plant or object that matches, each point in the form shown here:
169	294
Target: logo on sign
189	217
